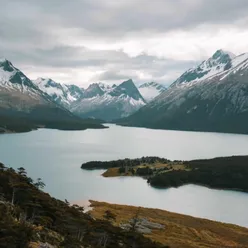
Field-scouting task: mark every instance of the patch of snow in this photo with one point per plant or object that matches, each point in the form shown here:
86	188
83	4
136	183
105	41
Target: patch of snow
151	90
149	93
2	59
5	75
231	55
60	92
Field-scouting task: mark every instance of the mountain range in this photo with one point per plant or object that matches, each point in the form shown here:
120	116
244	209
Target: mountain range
23	106
101	101
109	103
62	94
212	96
27	104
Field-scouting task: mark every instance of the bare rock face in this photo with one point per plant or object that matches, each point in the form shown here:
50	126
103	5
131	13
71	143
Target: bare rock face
142	225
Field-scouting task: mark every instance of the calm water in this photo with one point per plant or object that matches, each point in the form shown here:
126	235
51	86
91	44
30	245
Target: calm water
56	156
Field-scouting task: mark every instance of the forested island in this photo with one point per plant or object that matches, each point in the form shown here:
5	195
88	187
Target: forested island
219	173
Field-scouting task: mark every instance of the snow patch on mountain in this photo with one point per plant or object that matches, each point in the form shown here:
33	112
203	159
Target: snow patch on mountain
210	97
109	102
225	81
61	93
220	61
17	91
151	90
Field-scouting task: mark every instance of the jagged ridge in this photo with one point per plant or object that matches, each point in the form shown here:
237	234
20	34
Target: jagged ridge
108	103
23	106
210	97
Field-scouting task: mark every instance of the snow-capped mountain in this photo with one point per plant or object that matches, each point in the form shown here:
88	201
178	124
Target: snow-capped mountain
98	100
62	94
151	90
24	106
219	62
210	97
17	91
109	102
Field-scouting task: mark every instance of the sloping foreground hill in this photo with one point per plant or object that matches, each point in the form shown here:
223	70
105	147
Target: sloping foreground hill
175	230
30	218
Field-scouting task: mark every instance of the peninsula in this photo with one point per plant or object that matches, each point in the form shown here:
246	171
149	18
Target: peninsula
219	173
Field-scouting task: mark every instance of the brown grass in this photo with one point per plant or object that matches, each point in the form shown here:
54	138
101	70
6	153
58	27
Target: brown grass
114	172
180	231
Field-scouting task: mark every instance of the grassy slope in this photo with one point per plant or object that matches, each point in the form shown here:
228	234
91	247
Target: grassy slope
115	172
180	230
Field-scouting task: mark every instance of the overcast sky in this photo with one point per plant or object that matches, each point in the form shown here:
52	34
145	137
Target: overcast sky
86	41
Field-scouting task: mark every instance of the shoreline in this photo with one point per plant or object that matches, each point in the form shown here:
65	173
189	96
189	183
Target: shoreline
223	173
203	185
7	131
178	130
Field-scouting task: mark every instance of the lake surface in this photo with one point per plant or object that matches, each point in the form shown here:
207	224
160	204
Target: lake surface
56	156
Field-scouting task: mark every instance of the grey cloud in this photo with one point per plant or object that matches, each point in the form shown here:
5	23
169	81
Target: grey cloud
115	76
116	64
101	17
162	70
30	32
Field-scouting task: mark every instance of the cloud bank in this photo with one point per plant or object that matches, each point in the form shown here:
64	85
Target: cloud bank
86	41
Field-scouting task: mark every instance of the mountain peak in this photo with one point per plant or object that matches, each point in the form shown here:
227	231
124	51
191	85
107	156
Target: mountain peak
218	63
2	60
109	102
93	86
128	83
93	90
6	65
220	53
127	88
